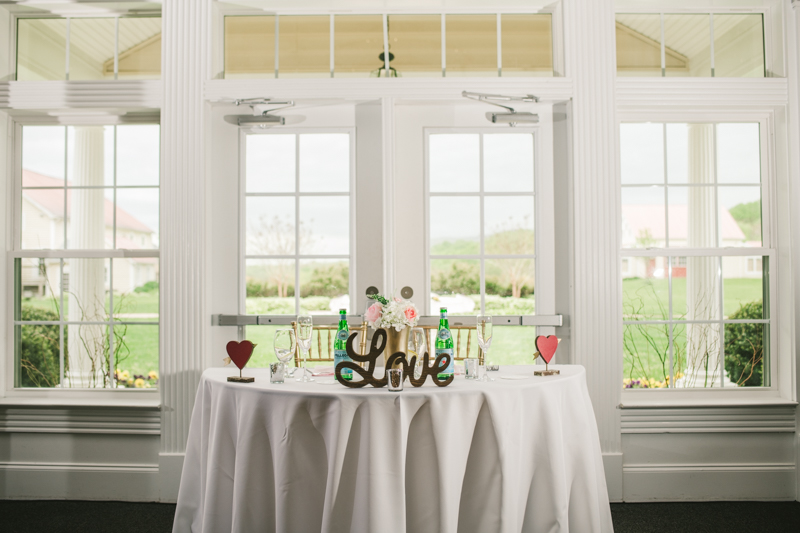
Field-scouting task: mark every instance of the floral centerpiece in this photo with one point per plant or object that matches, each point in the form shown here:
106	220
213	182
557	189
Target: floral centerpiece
396	317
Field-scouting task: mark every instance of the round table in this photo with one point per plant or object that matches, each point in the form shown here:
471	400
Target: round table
518	454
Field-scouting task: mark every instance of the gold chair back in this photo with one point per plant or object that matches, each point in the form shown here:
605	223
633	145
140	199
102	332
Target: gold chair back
322	338
462	341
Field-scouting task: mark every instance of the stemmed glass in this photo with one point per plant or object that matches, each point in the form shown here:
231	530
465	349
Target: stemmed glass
417	346
484	341
305	327
285	344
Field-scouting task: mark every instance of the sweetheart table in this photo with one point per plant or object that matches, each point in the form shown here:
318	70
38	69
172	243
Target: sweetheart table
520	453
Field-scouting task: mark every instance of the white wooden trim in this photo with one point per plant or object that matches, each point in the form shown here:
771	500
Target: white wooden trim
75	419
692	419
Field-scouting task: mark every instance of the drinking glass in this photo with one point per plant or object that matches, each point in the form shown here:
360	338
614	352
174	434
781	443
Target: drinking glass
285	345
305	328
417	346
484	341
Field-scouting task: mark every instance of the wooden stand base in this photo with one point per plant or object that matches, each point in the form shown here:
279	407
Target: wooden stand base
239	379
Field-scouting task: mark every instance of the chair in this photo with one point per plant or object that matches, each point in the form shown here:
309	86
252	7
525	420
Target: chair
456	330
324	353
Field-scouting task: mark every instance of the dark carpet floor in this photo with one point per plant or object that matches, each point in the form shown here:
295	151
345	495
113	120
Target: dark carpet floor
123	517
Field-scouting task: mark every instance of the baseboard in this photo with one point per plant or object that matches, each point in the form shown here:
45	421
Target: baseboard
170	467
75	481
709	482
612	463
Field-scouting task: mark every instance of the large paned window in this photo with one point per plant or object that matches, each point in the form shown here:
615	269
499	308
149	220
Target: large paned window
481	231
691	44
297	226
697	255
85	259
267	46
89	48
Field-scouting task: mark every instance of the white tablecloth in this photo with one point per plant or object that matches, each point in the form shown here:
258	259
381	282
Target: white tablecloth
509	455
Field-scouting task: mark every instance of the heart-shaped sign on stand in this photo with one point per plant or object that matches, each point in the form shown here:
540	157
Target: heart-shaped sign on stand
546	346
240	353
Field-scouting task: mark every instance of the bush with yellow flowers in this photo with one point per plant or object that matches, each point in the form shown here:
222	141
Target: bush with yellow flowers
137	381
648	383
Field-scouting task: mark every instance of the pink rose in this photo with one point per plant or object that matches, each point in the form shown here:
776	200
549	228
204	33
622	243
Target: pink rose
411	314
373	313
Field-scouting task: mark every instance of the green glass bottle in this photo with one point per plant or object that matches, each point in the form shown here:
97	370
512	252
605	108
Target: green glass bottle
340	344
444	343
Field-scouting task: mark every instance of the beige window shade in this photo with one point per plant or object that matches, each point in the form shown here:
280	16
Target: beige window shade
358	43
250	47
416	43
304	44
471	43
527	45
139	48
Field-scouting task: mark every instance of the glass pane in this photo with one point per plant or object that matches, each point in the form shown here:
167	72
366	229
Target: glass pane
90	218
643	217
304	46
43	156
739	46
696	355
250	47
645	288
38	289
137	218
687	41
90	156
509	286
136	289
416	43
270	287
43	217
527	45
358	43
744	354
136	353
271	163
325	286
138	154
645	356
695	288
38	350
678	216
456	285
454	162
41	49
86	284
91	48
743	287
325	162
512	346
263	337
508	162
740	216
455	225
471	45
738	153
638	45
270	225
508	226
641	153
677	153
140	48
324	225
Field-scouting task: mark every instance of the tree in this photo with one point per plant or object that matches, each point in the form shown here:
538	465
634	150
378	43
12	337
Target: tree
276	236
513	238
748	217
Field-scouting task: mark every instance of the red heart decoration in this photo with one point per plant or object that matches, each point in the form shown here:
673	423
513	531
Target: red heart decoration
240	352
547	345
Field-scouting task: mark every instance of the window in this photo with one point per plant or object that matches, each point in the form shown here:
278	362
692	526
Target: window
698	44
86	257
695	312
297	225
481	232
418	45
88	48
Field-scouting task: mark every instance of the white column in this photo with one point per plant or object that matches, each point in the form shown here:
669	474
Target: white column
596	320
702	296
185	317
86	276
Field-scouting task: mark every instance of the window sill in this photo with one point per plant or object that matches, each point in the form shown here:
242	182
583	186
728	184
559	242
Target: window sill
727	400
146	401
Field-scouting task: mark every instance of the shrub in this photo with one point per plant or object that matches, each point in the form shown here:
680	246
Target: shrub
150	286
327	280
744	347
39	349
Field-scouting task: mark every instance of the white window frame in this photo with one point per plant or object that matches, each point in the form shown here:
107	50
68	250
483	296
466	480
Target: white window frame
103	395
544	225
296	257
776	362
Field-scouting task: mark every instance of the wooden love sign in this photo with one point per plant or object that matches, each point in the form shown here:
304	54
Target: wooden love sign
439	365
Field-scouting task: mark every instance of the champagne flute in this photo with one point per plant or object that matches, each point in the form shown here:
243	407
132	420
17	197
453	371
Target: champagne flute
285	345
305	327
484	341
417	346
